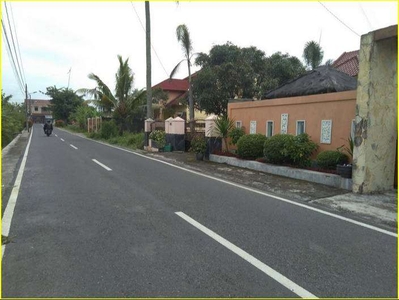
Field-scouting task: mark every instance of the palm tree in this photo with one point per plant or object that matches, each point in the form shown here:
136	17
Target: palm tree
313	54
124	101
183	36
148	58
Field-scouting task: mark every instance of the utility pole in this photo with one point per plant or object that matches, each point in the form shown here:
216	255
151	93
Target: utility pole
148	58
69	78
27	107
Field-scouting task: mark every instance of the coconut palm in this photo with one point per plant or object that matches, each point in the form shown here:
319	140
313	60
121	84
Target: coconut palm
124	102
183	36
313	54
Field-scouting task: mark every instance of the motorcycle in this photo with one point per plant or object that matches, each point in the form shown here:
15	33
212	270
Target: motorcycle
48	131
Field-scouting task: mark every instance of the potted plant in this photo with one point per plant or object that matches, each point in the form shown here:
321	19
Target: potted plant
198	145
159	137
345	170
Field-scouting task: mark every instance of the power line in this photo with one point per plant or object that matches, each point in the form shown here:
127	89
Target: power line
19	80
13	43
339	19
16	37
365	15
152	46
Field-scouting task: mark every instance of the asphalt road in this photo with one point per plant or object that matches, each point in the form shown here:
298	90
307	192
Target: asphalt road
81	230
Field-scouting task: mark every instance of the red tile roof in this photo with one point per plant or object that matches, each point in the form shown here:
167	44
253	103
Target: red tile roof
173	85
348	63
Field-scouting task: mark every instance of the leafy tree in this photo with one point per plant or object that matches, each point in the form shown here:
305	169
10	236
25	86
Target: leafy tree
82	113
64	102
13	119
313	54
281	68
224	75
183	36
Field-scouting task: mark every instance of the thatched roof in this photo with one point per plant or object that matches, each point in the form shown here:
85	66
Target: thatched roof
321	80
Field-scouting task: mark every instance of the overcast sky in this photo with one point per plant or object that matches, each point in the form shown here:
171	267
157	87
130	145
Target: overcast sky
86	37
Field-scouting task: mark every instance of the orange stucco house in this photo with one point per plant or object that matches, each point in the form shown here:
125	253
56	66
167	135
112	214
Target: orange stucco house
320	103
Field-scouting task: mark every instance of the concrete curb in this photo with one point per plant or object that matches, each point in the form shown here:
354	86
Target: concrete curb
307	175
11	144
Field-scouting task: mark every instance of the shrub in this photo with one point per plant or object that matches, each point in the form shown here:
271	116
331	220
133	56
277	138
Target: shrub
251	146
330	159
108	130
159	136
198	144
276	148
235	135
303	148
59	123
289	149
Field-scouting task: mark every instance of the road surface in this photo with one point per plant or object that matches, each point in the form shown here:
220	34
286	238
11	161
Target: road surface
91	220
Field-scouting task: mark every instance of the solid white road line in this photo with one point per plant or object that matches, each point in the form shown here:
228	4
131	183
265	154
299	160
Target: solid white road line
258	192
73	146
292	286
63	140
9	211
102	165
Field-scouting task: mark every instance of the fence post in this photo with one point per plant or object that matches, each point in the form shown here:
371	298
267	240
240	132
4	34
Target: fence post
147	131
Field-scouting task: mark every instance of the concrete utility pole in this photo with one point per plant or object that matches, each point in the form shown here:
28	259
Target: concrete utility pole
148	58
27	107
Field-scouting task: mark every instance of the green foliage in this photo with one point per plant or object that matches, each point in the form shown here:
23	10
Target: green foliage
276	148
64	102
223	126
59	123
288	149
302	149
198	144
281	68
313	54
330	159
349	148
159	136
108	130
229	72
13	119
235	134
81	115
251	146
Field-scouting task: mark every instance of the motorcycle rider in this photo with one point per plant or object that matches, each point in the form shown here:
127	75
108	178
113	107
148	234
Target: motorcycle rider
48	124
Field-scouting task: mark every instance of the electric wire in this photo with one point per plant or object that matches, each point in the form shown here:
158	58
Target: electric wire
152	46
17	76
16	37
13	43
339	19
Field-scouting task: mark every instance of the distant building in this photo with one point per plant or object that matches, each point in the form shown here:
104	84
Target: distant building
39	110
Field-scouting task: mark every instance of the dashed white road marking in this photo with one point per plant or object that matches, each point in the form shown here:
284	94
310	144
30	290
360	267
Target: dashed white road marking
292	286
9	211
63	140
393	234
73	146
55	135
102	165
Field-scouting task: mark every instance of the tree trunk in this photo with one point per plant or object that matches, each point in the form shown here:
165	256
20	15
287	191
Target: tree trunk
190	99
148	58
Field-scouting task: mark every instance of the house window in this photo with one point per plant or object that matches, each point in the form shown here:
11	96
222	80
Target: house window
238	124
300	127
36	108
252	127
269	128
